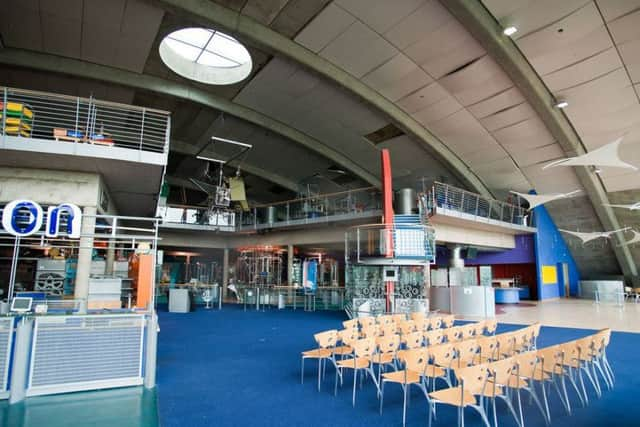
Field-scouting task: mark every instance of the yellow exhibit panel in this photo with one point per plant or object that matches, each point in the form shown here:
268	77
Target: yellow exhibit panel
549	275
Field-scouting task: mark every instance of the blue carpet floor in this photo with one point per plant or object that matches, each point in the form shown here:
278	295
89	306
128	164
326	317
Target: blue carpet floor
236	368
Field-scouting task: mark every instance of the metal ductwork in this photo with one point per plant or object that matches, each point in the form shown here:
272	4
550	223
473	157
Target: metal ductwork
455	260
406	202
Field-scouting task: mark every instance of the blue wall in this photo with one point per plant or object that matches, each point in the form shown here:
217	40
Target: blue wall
551	249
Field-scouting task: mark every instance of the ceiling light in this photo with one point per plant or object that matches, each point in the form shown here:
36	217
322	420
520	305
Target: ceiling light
210	159
510	31
562	104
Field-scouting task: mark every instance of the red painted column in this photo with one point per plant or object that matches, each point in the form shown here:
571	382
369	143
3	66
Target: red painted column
387	216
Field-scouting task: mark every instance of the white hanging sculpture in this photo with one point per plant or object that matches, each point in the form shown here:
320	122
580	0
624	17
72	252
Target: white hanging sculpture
540	199
633	207
607	155
587	237
635	239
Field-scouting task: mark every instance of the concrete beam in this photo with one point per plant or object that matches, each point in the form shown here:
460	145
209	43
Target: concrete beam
211	14
186	148
484	27
88	70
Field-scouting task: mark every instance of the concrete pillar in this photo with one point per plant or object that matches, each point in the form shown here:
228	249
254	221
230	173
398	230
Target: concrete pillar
111	257
290	265
225	273
151	350
85	252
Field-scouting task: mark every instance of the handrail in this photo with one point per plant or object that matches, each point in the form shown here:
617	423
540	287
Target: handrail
319	196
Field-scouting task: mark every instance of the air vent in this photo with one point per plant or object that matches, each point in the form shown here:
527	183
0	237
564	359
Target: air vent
383	134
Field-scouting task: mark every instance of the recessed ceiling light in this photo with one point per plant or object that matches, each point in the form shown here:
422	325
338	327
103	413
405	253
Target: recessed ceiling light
562	104
510	31
598	170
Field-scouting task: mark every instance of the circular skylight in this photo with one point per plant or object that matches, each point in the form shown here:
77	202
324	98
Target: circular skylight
206	56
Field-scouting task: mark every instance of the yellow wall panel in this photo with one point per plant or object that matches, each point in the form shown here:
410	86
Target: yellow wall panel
549	275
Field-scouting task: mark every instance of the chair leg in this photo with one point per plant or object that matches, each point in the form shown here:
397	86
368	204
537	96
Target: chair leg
355	380
546	403
520	408
575	386
319	372
302	372
565	399
404	405
335	387
381	396
584	389
431	411
495	414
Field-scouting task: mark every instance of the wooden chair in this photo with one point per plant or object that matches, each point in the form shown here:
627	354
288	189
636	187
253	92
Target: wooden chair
468	331
441	359
387	330
435	322
366	322
600	343
387	351
422	324
552	371
506	345
417	316
414	362
363	350
345	338
528	374
412	340
350	324
587	358
488	349
479	327
470	392
385	320
490	326
407	327
501	374
454	334
466	353
326	343
370	331
571	364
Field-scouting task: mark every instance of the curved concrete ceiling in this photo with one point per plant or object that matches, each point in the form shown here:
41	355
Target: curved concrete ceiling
57	64
243	27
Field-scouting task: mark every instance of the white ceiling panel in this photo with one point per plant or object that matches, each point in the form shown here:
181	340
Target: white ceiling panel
328	25
65	9
300	83
99	13
524	135
626	28
538	155
630	53
622	182
437	111
397	77
61	36
446	48
554	180
612	9
462	132
584	71
496	103
20	26
508	117
422	98
380	15
480	157
412	29
477	81
264	11
347	50
528	16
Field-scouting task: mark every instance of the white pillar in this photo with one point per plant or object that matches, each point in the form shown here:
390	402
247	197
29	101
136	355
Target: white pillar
225	273
81	290
290	265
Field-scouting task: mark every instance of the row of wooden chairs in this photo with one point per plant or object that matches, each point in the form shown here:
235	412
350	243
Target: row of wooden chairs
416	321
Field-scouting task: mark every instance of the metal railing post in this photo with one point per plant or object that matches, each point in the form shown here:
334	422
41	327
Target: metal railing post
4	113
477	204
77	119
144	110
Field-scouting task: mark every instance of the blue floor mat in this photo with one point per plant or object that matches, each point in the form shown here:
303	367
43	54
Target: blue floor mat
236	368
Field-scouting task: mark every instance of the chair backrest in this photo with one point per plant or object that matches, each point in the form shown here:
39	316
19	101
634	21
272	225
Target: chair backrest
502	371
448	320
418	315
370	331
550	357
606	336
628	289
478	328
367	321
326	339
413	340
385	320
466	351
388	343
506	343
570	351
527	364
454	334
488	347
586	347
468	331
350	324
473	378
398	318
422	324
490	326
364	347
388	329
442	355
524	338
348	336
415	360
407	327
536	329
435	322
434	337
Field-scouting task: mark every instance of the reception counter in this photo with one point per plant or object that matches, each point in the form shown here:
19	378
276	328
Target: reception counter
472	301
507	295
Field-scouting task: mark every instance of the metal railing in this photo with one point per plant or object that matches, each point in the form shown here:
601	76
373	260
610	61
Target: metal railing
376	243
308	210
447	197
41	115
323	208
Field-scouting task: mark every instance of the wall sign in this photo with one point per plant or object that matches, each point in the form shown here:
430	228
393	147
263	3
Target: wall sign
22	218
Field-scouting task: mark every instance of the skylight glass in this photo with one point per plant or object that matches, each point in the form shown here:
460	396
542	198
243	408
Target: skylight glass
196	53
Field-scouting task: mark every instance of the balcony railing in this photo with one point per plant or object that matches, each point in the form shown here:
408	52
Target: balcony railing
353	204
41	115
449	198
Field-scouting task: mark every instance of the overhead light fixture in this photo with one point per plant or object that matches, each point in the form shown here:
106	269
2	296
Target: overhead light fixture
229	141
210	159
509	31
562	104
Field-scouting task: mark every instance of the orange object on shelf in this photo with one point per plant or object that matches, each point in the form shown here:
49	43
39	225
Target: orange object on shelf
144	280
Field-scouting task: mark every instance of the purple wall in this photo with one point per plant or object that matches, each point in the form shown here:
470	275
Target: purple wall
523	253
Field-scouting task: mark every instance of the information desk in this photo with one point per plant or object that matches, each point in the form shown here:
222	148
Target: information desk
507	295
472	301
